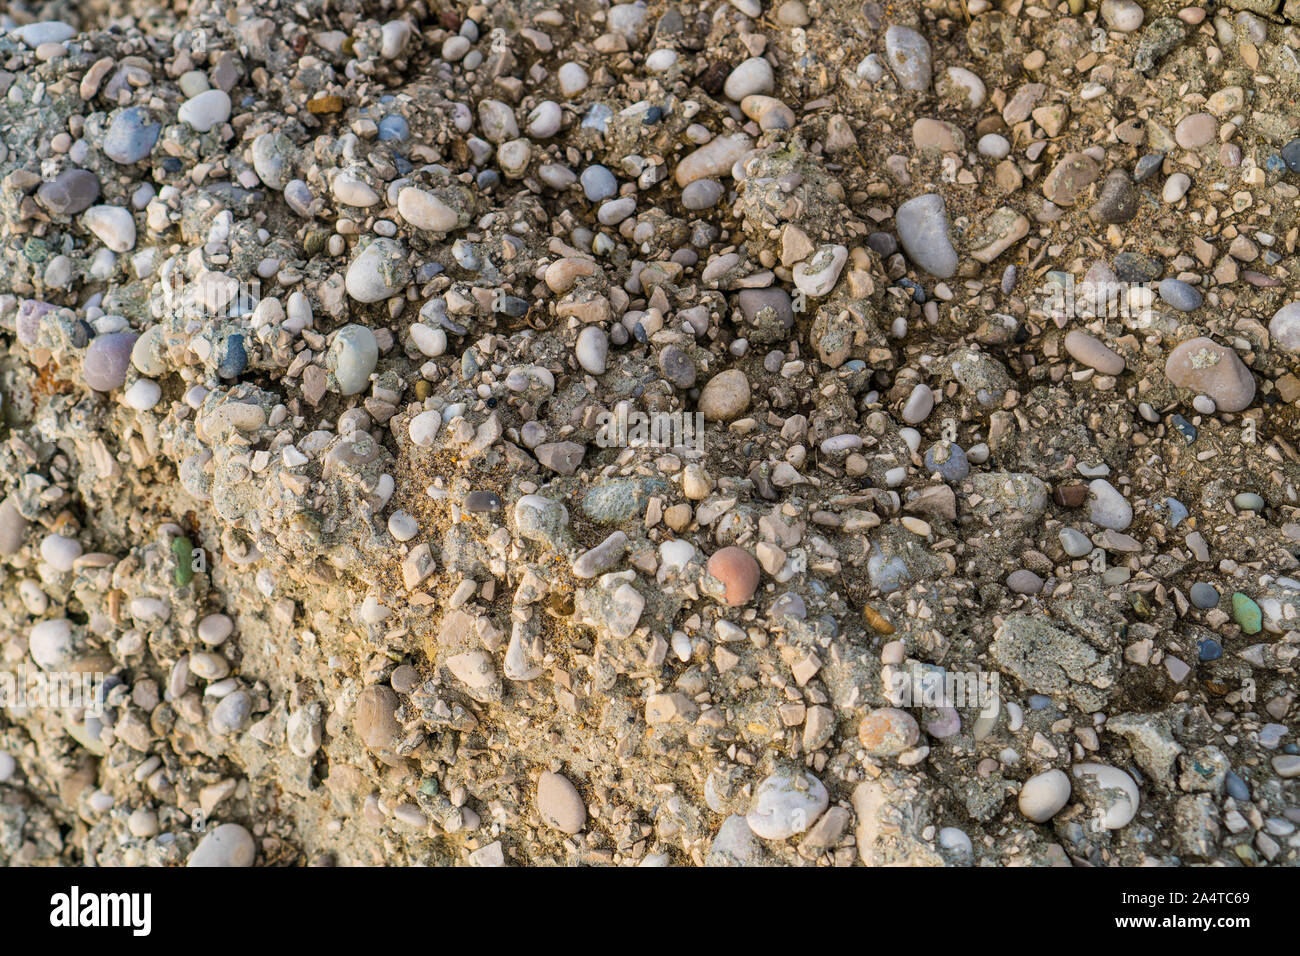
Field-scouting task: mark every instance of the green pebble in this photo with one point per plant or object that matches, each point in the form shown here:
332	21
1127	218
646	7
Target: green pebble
184	551
1247	613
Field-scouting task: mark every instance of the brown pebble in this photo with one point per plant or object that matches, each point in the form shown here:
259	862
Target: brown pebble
375	717
1070	496
325	104
888	731
877	621
738	572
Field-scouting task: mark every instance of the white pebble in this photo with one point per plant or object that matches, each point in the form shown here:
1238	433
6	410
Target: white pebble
424	428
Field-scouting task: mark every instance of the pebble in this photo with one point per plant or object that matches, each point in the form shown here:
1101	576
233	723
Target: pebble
592	349
206	110
738	572
1284	327
887	732
1124	16
919	404
1180	295
1107	508
1195	131
1070	177
816	276
114	226
1291	155
1117	200
1247	614
1204	596
1248	501
752	76
143	395
215	629
1075	543
725	397
105	364
559	804
1093	353
572	79
424	210
1176	187
908	55
1203	365
786	804
598	183
60	552
71	192
424	428
379	272
374	717
1122	793
948	460
923	231
13	528
227	845
713	159
131	136
1024	582
352	357
702	194
1044	795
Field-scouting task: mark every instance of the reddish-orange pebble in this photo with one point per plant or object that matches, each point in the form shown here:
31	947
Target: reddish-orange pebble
738	572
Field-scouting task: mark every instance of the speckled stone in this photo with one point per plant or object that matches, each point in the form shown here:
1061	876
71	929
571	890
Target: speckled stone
1203	365
725	397
887	732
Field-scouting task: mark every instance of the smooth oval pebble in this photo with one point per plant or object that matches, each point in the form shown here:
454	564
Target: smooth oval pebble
228	845
750	77
424	428
592	349
352	357
919	404
888	731
738	571
131	136
1044	795
559	804
214	629
725	397
206	110
1284	327
923	231
1107	507
1093	353
908	55
107	359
